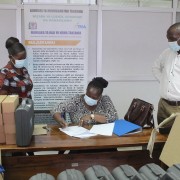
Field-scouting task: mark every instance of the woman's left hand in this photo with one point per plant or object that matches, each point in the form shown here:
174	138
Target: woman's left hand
85	120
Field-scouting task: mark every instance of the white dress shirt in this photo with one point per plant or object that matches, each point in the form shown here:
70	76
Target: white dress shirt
166	70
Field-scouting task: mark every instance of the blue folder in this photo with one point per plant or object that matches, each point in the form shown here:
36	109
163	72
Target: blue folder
123	127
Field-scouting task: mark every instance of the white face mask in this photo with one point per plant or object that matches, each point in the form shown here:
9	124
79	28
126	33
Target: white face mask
89	101
174	46
19	63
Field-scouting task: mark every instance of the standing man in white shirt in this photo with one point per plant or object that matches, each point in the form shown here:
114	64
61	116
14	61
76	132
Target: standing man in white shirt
166	70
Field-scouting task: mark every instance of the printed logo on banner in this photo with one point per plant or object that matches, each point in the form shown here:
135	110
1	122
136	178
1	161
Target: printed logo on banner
81	26
32	25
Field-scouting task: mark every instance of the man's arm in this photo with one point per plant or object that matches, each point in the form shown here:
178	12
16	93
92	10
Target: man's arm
157	68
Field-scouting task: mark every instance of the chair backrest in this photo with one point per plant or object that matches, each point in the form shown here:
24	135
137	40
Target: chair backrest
70	174
42	176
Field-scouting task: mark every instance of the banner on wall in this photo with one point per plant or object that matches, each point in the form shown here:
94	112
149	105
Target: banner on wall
56	39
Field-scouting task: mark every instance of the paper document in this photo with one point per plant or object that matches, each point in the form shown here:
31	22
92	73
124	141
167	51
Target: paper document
77	131
103	129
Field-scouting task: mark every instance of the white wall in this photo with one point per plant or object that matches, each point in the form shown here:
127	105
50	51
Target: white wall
131	43
8	28
122	94
131	40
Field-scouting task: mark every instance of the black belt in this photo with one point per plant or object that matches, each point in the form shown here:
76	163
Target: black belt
172	103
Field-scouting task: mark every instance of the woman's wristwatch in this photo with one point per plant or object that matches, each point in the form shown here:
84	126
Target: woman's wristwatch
92	116
93	121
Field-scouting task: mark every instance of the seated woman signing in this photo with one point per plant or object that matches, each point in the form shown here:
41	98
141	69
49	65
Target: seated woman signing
89	108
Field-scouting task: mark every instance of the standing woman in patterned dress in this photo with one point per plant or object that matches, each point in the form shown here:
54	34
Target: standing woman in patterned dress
14	77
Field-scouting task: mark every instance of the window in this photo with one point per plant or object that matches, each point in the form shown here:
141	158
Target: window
83	1
140	3
7	1
124	3
179	4
45	1
61	2
156	3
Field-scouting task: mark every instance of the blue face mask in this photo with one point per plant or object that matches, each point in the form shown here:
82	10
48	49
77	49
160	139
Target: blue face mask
174	46
19	63
89	101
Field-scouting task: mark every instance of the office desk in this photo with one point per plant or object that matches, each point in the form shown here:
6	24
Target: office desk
23	167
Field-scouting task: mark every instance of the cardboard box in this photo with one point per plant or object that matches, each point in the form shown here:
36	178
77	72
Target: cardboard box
9	118
2	135
2	138
11	138
2	97
9	127
10	104
1	129
170	153
1	120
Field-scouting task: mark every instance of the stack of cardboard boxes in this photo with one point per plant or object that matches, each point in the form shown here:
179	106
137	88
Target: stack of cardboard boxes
7	118
2	133
8	105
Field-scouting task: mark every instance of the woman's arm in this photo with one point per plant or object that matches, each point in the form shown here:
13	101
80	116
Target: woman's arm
60	120
107	110
97	118
3	91
61	108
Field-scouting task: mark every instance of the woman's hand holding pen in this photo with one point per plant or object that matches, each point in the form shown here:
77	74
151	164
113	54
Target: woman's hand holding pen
60	120
62	123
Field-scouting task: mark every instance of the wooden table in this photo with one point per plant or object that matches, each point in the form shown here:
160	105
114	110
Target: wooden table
23	167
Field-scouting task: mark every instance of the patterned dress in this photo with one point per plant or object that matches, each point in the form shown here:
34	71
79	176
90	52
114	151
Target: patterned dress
76	108
15	83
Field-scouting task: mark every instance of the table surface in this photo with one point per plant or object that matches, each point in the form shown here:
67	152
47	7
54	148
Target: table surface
57	140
